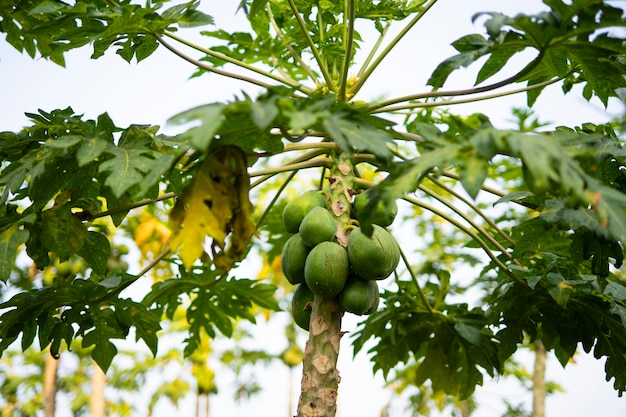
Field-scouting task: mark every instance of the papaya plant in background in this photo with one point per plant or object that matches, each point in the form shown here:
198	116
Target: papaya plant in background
546	208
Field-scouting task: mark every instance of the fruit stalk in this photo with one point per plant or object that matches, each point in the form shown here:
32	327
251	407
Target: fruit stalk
320	376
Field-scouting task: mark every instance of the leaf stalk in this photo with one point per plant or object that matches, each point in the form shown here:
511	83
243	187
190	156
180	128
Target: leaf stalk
314	50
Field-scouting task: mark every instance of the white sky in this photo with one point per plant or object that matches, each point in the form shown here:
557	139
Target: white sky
157	88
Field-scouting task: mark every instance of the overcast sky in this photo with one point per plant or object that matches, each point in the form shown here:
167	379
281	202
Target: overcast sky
158	88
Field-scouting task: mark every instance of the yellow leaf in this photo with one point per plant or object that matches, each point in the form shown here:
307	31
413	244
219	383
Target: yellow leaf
215	204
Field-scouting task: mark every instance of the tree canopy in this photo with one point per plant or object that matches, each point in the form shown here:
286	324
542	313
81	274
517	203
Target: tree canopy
541	210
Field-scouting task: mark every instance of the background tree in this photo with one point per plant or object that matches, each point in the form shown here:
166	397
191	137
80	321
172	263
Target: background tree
552	253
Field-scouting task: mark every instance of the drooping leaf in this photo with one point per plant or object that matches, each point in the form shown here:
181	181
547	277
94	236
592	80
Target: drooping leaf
474	170
215	204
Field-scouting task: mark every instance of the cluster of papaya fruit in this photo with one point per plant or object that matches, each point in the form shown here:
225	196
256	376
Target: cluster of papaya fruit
313	259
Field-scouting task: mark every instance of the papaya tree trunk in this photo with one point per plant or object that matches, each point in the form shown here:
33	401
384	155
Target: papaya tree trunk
50	386
97	404
539	380
320	377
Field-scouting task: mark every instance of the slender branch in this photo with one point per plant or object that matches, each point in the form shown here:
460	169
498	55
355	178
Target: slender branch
416	282
492	190
211	68
274	199
85	215
454	222
288	82
144	270
313	163
305	146
292	51
309	40
372	53
368	72
473	206
469	91
467	231
380	109
348	55
305	157
467	218
166	251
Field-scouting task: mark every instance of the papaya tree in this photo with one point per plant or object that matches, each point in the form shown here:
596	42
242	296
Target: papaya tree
545	208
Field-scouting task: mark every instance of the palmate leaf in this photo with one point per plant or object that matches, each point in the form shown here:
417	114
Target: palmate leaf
67	158
187	15
125	169
357	136
217	302
587	245
471	48
449	347
589	318
215	204
405	177
61	232
243	128
78	307
106	327
553	172
473	171
567	43
53	28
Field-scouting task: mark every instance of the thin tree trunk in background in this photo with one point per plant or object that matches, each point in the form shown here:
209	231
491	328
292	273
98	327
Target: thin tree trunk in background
50	386
97	405
290	397
7	410
539	380
464	408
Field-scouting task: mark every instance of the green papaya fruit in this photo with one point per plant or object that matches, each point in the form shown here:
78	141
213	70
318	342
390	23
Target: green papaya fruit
383	214
373	257
358	296
317	226
296	209
301	304
374	305
293	258
326	269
